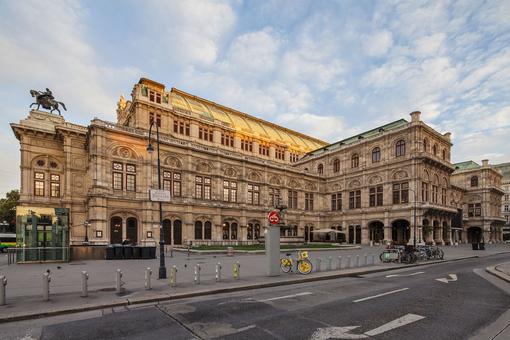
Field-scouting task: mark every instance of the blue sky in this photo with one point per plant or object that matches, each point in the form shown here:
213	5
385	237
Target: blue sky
329	69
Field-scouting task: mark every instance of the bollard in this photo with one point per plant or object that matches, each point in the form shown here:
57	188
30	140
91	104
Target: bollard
196	278
339	263
236	268
148	273
349	262
84	284
46	286
373	259
173	276
230	251
330	260
365	261
319	260
357	260
118	282
218	272
3	283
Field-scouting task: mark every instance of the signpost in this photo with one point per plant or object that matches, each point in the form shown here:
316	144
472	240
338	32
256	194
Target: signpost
159	195
272	239
273	217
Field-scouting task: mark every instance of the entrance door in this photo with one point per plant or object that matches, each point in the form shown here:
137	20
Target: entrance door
358	234
306	234
132	230
351	234
167	231
177	232
474	235
116	230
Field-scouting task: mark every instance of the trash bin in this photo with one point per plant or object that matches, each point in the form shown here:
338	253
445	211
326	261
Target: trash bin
481	246
110	253
137	253
145	252
152	252
118	252
127	251
475	246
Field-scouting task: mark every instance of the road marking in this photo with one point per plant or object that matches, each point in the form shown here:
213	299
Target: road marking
395	275
405	320
453	278
344	332
379	295
242	329
287	296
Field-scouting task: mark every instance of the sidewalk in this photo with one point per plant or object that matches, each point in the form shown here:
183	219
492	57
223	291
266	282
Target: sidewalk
24	289
501	270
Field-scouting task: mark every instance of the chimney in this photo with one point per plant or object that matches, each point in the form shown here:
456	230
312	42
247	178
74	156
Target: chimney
448	136
485	162
415	116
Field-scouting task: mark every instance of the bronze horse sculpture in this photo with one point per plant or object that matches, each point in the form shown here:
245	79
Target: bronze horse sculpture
46	100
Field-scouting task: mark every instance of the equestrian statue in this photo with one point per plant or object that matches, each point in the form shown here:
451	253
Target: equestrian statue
46	100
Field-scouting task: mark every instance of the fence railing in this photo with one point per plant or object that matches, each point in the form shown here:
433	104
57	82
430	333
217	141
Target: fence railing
224	243
39	254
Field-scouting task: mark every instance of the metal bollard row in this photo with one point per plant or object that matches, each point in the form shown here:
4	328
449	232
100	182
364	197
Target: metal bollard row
3	284
349	262
329	265
339	266
148	273
119	284
196	278
46	286
84	284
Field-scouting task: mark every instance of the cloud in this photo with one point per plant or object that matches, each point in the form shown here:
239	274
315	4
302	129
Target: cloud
377	43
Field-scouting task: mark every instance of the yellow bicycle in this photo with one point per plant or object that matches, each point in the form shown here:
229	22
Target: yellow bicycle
304	265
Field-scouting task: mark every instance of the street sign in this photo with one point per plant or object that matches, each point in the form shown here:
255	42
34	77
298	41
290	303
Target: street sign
273	217
159	195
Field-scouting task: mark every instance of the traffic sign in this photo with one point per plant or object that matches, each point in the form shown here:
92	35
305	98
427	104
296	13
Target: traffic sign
273	217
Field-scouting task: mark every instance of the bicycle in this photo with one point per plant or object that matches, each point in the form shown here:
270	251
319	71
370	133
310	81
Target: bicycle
304	265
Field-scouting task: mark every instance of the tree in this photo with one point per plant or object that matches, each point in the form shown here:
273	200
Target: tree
8	208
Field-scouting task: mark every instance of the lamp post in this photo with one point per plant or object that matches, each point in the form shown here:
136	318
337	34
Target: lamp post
414	219
150	149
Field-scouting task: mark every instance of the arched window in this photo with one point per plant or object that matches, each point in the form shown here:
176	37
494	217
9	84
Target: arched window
198	230
336	165
233	231
474	181
425	145
249	231
434	149
207	230
400	148
376	155
320	169
257	231
132	230
354	161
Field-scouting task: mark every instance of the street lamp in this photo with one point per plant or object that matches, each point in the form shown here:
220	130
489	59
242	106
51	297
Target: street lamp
150	149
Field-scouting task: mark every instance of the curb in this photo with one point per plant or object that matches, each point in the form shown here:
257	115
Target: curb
493	270
255	252
167	297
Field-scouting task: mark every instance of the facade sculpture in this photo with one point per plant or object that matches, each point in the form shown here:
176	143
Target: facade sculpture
226	169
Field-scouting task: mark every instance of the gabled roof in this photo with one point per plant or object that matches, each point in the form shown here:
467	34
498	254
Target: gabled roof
467	165
366	134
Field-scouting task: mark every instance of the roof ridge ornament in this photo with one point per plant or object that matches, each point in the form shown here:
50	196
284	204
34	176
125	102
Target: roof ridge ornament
46	99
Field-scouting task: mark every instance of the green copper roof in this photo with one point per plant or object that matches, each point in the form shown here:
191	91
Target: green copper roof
505	169
366	134
467	165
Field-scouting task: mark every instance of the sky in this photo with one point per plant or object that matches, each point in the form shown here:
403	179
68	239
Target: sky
329	69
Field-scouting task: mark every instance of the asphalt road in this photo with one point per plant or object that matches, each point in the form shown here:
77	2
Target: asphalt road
409	304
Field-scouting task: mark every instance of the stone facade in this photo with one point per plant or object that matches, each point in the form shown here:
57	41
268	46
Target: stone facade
505	203
226	170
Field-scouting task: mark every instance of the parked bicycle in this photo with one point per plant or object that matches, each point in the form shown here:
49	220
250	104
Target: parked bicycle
304	265
402	254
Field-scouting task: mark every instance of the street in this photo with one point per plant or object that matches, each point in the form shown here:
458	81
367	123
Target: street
443	301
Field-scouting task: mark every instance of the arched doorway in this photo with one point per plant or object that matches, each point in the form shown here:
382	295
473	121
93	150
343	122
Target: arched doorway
427	231
132	230
400	231
474	235
198	230
436	231
116	230
167	231
351	234
177	232
446	233
229	230
207	230
376	229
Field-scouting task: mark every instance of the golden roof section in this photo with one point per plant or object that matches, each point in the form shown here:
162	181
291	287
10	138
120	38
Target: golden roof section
243	123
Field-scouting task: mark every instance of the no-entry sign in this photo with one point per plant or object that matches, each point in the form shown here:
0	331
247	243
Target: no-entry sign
273	217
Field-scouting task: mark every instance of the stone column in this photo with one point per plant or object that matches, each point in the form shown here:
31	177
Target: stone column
365	237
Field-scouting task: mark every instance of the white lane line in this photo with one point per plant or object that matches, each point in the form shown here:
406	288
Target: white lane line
400	275
242	329
405	320
382	294
287	296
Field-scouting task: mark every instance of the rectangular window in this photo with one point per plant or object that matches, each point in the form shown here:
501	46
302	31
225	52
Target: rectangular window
55	189
246	145
400	193
274	196
293	201
293	157
199	187
308	201
478	209
205	134
434	193
279	153
425	192
181	127
376	196
39	184
117	180
355	199
443	196
253	194
336	202
229	191
130	182
264	150
227	139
